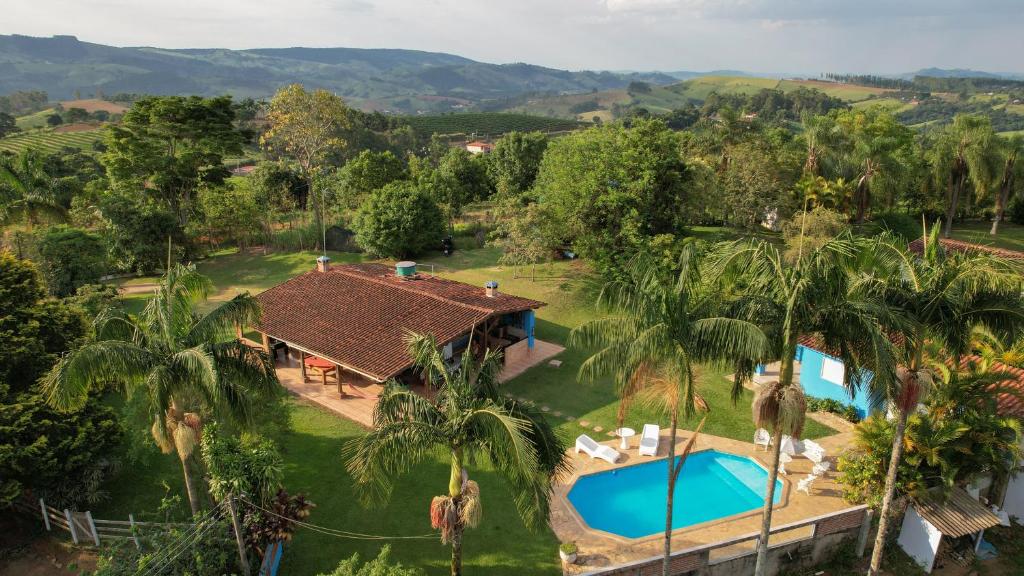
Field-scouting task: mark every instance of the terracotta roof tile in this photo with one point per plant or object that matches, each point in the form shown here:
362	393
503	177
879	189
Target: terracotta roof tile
357	315
917	247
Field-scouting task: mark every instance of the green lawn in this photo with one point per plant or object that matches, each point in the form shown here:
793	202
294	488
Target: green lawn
1010	237
312	448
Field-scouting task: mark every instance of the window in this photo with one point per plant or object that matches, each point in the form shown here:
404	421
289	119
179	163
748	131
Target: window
832	370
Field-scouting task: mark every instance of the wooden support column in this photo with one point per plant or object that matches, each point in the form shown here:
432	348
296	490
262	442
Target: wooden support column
302	365
337	376
266	342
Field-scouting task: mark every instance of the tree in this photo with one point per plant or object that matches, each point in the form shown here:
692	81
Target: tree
308	127
944	296
27	192
469	419
1011	178
8	124
365	173
398	221
513	163
459	179
614	188
54	120
813	295
138	232
230	213
879	142
69	258
62	457
660	327
811	230
961	156
169	146
822	138
183	365
73	115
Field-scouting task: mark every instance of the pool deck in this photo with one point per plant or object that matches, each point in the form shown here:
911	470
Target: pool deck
597	548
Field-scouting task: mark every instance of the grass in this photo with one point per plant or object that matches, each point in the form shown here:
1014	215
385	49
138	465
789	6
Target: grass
49	141
484	124
35	120
1010	237
501	545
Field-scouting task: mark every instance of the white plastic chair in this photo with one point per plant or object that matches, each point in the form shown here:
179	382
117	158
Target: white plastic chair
821	468
762	438
649	440
783	460
813	451
804	485
590	447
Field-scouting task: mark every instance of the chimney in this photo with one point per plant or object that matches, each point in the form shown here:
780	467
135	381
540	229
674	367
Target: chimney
323	264
491	289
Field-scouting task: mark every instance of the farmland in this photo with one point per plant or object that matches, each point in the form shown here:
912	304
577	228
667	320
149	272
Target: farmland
50	141
487	123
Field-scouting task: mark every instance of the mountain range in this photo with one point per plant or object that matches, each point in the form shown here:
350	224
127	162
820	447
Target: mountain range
371	78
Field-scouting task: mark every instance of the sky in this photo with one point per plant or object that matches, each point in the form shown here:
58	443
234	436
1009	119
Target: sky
781	36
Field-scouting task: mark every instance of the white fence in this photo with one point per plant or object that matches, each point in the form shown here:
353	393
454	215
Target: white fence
85	529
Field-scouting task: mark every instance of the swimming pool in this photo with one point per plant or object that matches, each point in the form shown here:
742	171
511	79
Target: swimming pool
630	501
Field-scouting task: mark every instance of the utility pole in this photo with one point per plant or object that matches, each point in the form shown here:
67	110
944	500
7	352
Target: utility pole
238	535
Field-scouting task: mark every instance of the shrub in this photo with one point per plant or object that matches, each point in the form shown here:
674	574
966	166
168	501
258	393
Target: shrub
139	232
398	221
381	566
1016	210
820	226
568	548
898	223
70	258
214	554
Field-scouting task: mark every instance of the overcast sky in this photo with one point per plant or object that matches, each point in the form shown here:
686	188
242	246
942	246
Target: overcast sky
883	36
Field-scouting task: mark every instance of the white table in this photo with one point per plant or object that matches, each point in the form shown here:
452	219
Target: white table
625	434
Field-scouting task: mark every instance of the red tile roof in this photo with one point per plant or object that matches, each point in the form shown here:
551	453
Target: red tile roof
917	247
358	314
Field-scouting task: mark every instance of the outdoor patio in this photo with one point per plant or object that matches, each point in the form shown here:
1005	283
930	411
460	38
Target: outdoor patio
598	549
359	394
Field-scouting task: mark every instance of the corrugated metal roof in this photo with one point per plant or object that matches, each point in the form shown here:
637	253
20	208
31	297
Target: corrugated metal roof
960	515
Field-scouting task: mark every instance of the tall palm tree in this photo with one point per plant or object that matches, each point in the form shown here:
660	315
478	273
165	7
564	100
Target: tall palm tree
185	366
943	297
469	419
27	192
822	138
661	327
811	296
961	156
1011	177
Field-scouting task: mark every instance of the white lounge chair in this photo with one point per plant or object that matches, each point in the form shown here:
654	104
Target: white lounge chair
813	451
783	460
762	438
804	485
649	440
589	446
821	468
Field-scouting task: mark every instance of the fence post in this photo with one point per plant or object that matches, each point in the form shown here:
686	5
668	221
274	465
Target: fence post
46	517
238	535
71	525
92	526
135	535
865	528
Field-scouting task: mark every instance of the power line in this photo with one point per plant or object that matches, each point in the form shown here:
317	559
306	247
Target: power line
198	530
336	532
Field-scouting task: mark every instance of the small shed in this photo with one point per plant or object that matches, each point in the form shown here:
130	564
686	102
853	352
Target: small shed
927	522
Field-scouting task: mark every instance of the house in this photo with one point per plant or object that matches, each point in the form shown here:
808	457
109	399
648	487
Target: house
928	522
479	147
350	322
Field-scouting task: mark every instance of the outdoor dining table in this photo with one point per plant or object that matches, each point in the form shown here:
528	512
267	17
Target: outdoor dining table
325	368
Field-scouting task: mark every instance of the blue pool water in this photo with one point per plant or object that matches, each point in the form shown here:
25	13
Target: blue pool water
630	501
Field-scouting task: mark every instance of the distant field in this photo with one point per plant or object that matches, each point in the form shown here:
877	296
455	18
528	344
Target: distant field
893	105
848	92
36	120
93	104
50	141
487	123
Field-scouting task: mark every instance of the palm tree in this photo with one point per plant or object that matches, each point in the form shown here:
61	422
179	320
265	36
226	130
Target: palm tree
811	296
961	155
27	191
875	152
943	297
185	366
1011	177
822	136
469	419
661	328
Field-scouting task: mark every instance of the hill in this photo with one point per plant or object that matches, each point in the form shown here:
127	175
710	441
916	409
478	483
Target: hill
380	79
486	124
81	136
